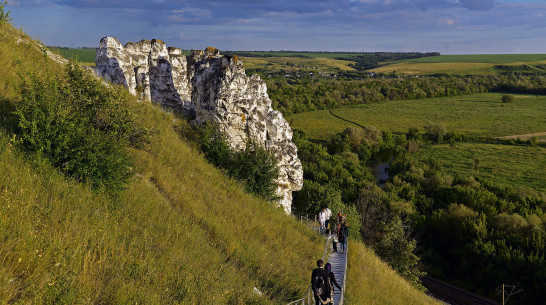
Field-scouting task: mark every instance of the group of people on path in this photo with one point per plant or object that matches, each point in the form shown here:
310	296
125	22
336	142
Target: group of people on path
341	231
322	283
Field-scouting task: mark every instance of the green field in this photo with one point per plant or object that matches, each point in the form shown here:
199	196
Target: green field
507	165
478	64
296	64
475	115
480	58
84	55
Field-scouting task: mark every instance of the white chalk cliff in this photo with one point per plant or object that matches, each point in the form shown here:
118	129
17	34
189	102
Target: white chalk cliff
210	87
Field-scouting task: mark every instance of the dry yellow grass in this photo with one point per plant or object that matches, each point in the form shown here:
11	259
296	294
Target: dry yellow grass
307	64
459	68
431	68
371	281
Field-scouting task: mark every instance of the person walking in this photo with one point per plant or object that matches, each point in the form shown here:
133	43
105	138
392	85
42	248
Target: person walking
332	277
342	235
322	220
320	284
327	221
339	218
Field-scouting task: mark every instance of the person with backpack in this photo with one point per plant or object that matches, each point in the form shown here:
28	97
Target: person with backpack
331	275
320	284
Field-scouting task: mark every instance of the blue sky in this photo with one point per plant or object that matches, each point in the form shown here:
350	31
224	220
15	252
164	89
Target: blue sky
445	26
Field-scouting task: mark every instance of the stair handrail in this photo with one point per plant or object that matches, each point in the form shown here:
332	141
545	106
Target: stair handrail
344	274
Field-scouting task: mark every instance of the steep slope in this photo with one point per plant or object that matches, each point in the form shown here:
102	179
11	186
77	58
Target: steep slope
180	233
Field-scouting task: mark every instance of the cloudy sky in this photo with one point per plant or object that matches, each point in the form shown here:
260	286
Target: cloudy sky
445	26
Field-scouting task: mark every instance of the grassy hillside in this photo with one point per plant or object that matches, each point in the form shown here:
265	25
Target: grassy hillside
476	115
180	233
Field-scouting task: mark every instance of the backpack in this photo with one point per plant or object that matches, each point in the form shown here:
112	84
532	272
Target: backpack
320	287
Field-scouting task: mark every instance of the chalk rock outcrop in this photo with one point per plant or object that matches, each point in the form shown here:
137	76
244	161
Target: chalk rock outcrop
210	87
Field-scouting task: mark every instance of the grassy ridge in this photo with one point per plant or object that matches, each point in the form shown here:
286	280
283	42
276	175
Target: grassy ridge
181	233
475	115
506	165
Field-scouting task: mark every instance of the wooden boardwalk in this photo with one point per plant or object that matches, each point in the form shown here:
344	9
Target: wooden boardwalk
338	261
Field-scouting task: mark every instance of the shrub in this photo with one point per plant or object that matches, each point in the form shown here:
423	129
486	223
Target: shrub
254	166
512	223
4	16
81	126
436	132
258	170
508	98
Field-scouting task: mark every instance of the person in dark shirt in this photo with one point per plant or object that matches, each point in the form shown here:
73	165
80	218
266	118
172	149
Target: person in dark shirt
320	273
332	277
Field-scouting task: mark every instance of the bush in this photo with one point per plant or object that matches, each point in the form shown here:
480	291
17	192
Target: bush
81	126
258	170
508	98
436	132
4	16
254	166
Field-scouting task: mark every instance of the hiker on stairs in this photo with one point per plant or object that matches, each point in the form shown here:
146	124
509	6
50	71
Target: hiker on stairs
320	284
333	281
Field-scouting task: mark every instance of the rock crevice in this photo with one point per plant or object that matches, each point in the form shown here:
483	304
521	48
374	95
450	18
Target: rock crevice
210	87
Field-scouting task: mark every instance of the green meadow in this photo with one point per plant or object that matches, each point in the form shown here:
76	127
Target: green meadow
482	115
84	55
506	165
478	64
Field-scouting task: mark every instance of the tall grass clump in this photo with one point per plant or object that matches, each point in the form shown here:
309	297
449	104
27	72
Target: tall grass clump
81	126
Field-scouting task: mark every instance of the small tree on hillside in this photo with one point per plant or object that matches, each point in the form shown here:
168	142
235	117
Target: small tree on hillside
4	16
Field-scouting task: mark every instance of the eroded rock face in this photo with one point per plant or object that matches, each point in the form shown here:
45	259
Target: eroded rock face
212	88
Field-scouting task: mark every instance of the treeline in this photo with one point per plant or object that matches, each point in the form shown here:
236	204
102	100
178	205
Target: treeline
373	60
468	231
301	95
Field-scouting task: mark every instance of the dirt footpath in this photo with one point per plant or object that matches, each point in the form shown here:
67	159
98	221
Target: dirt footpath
525	137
